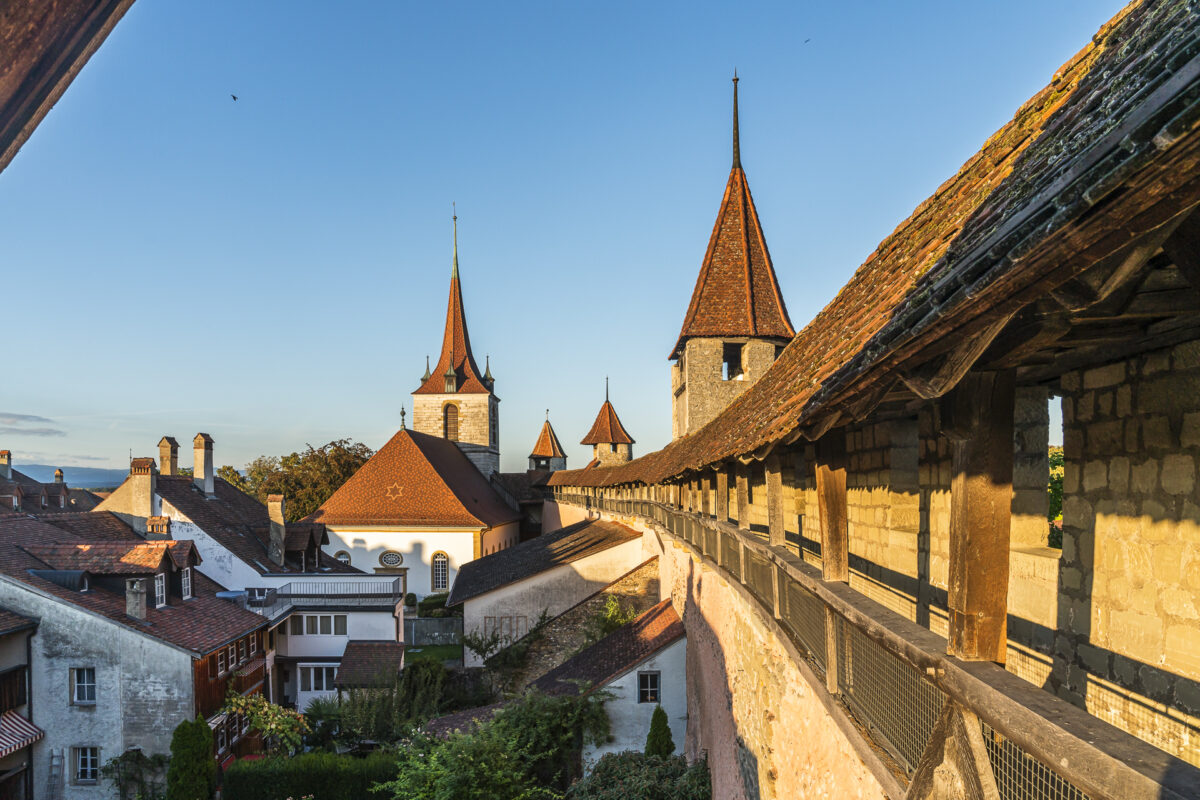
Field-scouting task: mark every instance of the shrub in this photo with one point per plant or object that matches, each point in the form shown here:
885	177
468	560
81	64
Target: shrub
410	599
634	776
192	772
324	776
606	621
430	602
658	741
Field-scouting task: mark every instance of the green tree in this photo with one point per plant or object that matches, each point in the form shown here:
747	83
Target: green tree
529	750
634	776
1055	490
307	478
658	741
192	771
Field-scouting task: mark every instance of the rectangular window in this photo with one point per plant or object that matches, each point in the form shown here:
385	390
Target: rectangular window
317	679
160	590
83	692
731	361
220	661
306	679
186	582
87	764
242	650
339	625
326	625
253	644
310	625
222	741
232	656
297	623
648	687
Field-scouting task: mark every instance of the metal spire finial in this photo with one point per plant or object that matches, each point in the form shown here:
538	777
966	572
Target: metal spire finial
737	148
402	425
606	388
547	415
454	211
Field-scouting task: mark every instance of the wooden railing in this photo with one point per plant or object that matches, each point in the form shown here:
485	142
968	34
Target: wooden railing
894	679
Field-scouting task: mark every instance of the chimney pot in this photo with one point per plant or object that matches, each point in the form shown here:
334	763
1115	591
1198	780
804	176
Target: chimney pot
278	532
202	468
135	597
6	464
168	455
58	475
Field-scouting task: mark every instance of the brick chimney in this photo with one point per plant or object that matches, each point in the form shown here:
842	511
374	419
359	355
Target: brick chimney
135	597
275	547
6	464
158	528
202	467
58	476
143	485
168	455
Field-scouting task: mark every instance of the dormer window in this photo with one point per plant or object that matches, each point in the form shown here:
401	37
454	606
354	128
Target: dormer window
185	583
44	503
160	590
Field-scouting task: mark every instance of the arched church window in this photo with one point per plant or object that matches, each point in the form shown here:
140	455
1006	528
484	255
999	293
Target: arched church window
441	572
450	422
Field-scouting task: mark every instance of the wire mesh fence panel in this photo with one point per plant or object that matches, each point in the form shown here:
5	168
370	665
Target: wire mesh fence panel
1020	776
804	616
731	553
756	574
891	698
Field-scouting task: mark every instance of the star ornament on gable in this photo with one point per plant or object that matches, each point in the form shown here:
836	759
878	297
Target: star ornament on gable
395	491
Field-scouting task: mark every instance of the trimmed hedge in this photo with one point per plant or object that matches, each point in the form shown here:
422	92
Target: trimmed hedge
431	602
325	776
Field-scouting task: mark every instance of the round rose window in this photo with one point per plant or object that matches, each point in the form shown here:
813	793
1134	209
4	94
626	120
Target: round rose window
391	559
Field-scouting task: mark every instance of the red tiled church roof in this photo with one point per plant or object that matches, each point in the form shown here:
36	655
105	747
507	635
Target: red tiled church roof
1018	219
416	479
736	292
456	345
607	429
547	444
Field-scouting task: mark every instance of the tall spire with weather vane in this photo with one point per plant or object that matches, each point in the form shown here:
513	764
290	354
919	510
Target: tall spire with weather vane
737	147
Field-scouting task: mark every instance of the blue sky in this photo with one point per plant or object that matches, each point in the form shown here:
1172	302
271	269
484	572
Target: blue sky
274	270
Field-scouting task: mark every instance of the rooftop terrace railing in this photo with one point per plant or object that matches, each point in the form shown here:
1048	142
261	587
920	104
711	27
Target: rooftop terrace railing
893	679
341	595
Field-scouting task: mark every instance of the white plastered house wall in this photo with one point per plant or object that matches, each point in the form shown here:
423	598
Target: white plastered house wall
515	607
310	651
144	688
629	719
417	546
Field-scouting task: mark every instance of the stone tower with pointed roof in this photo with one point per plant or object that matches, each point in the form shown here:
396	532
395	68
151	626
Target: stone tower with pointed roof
547	453
455	400
611	444
736	323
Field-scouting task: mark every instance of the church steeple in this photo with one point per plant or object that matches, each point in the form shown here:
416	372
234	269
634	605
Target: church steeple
456	400
456	360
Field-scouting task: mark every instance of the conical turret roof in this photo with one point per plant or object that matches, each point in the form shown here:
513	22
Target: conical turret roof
607	429
456	358
736	292
547	444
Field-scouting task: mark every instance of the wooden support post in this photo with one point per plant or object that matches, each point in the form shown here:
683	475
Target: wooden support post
774	475
705	494
722	510
743	497
831	500
977	417
831	651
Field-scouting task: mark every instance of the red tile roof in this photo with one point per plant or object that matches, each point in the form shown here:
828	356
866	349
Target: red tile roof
607	429
368	663
420	480
115	558
534	556
736	291
547	444
238	522
1019	218
11	622
615	654
456	348
199	625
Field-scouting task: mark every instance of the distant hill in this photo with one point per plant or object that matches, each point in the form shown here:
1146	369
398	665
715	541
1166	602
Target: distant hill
76	477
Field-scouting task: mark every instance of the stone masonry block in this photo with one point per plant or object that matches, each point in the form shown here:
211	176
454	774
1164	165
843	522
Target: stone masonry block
1190	435
1095	476
1156	432
1118	475
1145	477
1100	377
1179	473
